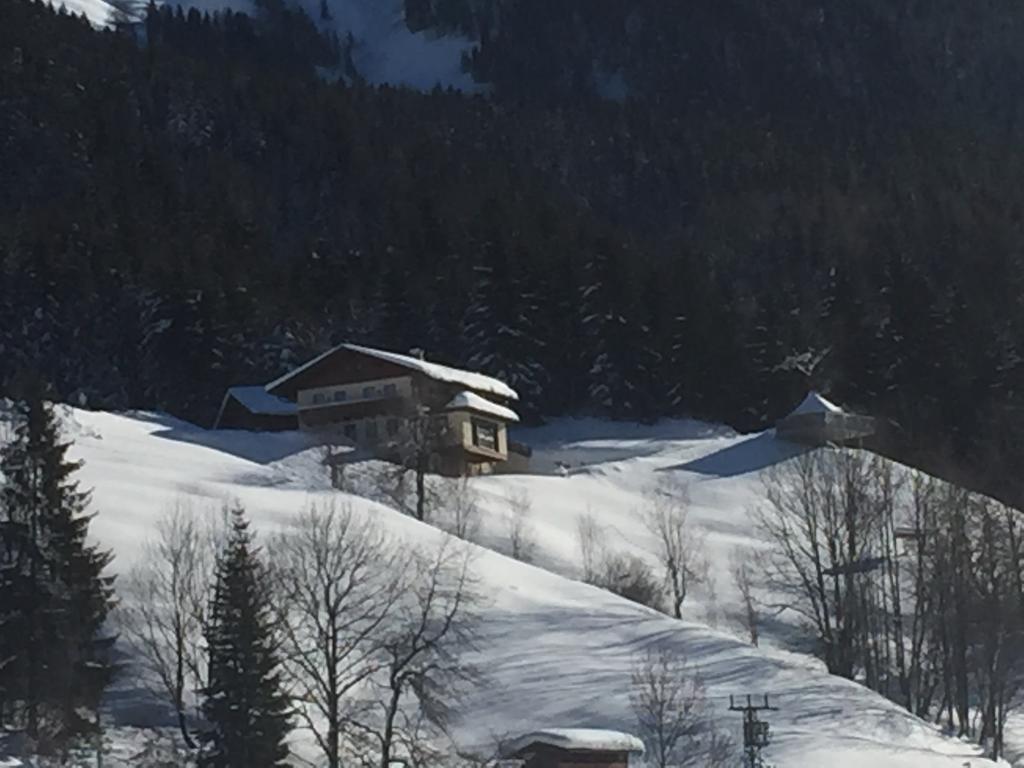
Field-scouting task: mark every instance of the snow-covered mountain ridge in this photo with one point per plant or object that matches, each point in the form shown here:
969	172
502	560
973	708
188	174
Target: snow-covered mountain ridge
558	652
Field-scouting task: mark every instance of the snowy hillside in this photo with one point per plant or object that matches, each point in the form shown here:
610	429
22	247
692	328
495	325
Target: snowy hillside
385	51
557	652
96	11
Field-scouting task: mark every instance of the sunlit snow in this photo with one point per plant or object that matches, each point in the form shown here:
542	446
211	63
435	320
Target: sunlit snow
557	652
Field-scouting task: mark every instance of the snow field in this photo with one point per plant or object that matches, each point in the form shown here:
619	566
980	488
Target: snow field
557	652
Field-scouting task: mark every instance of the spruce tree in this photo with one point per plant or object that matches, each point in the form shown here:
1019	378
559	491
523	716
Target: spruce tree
500	326
245	705
619	363
54	597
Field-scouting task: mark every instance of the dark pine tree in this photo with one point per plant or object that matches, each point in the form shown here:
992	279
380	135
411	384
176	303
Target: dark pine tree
245	704
614	343
500	325
54	597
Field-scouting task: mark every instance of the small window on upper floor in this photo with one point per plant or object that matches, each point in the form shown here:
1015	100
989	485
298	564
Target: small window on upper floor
485	434
369	392
340	395
390	390
319	398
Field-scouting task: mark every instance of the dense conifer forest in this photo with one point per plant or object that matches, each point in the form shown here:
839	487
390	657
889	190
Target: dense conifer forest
652	209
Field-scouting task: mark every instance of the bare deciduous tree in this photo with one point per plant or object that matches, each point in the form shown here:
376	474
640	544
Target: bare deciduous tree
458	508
338	579
164	606
915	588
630	577
680	543
589	538
672	714
422	661
520	531
420	439
623	573
822	520
743	578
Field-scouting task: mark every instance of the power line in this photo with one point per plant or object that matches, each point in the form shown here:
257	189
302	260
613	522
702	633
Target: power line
756	732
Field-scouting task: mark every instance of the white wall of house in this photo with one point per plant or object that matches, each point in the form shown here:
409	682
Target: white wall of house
378	389
376	430
370	430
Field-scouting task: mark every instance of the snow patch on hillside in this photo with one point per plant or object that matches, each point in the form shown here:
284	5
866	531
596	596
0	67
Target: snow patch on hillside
96	11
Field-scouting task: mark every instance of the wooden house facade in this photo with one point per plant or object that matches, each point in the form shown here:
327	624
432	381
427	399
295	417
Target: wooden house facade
573	748
374	399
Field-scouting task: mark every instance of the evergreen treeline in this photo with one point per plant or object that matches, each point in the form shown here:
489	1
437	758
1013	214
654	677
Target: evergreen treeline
656	211
54	596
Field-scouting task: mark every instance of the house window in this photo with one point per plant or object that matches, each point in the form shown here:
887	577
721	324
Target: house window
349	431
371	430
319	398
390	390
340	395
369	392
392	427
485	434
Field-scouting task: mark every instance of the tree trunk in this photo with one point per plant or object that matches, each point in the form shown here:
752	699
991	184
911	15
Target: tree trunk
421	490
389	726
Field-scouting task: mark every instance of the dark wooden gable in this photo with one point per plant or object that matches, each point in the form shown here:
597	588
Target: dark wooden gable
234	415
342	366
540	755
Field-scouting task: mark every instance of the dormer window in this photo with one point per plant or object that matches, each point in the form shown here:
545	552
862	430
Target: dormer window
319	398
340	396
390	390
369	392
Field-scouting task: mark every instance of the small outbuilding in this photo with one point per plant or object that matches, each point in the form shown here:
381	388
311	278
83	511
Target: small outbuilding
573	748
817	421
255	409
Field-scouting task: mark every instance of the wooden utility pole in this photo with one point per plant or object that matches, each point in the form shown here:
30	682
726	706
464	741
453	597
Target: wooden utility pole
756	733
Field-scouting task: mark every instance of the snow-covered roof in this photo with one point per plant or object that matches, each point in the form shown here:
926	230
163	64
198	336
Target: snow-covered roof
590	739
815	403
258	400
470	401
436	371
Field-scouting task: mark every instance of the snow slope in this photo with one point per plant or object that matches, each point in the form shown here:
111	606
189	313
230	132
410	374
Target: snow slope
558	652
96	11
385	51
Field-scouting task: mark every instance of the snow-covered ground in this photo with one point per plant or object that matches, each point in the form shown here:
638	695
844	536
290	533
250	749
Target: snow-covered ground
385	51
557	652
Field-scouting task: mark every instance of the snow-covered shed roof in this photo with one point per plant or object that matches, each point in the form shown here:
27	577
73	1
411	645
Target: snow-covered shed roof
470	401
436	371
815	403
258	400
588	739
